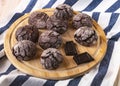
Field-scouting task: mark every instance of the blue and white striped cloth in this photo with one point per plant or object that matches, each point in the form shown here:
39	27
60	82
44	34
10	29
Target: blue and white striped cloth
105	12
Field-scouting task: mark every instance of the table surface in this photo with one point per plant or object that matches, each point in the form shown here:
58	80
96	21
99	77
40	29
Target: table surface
4	11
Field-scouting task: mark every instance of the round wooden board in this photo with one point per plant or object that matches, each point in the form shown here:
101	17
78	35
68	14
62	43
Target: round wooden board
68	68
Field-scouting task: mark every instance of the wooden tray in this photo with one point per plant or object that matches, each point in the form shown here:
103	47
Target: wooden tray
68	68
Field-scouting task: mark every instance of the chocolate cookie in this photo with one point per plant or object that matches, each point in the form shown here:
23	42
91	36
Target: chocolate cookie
27	32
24	50
63	12
81	20
85	36
38	19
51	58
50	39
57	25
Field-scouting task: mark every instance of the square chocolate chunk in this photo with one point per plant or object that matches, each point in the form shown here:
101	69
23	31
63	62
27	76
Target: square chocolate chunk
82	58
70	48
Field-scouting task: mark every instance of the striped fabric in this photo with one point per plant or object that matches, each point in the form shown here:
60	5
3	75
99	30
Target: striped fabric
105	12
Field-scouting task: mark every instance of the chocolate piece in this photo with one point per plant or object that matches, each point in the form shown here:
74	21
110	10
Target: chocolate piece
38	19
81	20
50	39
85	36
82	58
51	58
70	48
57	25
63	12
27	32
24	50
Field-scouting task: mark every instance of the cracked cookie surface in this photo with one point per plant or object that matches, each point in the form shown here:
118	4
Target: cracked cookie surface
24	50
27	32
63	12
51	58
50	39
38	19
81	20
57	25
85	36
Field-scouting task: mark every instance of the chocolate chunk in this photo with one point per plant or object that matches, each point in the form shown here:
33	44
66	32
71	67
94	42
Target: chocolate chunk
51	58
81	20
55	24
85	36
50	39
70	48
24	50
38	19
82	58
27	32
63	12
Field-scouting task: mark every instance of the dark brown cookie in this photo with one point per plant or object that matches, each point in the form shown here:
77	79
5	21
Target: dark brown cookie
38	19
63	12
70	48
51	58
83	58
57	25
81	20
85	36
27	32
50	39
24	50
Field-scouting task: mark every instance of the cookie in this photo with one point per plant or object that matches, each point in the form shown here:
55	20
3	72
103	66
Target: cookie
86	36
27	32
50	39
51	58
24	50
81	20
38	19
57	25
63	12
